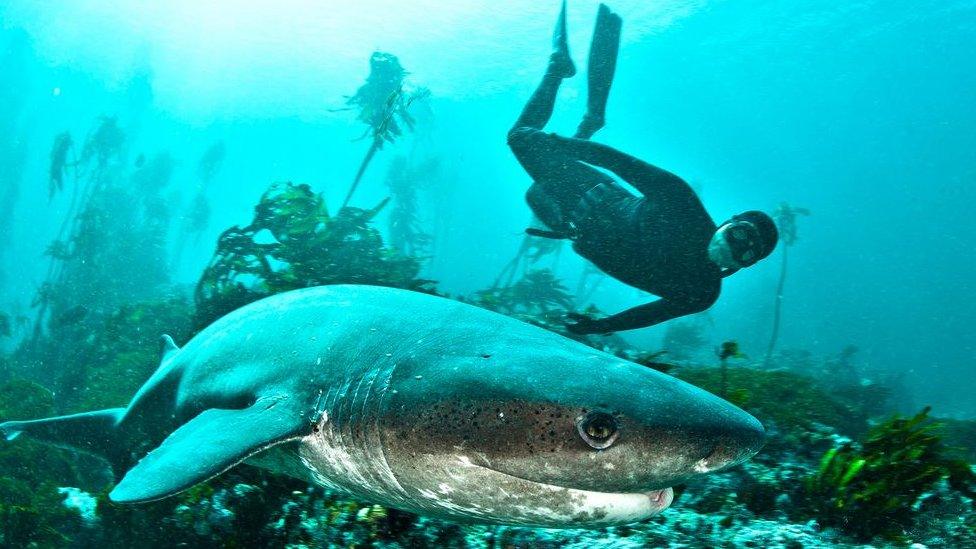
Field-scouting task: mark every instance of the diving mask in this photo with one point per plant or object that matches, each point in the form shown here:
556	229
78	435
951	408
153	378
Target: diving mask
735	245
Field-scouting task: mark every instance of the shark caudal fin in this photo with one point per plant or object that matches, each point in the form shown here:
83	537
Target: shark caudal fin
98	432
90	432
209	444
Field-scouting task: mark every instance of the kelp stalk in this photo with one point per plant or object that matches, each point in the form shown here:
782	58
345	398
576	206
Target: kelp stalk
785	217
362	170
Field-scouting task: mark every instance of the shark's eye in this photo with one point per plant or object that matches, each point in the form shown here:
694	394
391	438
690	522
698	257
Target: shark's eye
598	429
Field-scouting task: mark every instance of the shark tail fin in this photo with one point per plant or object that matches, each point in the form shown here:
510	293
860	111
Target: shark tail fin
91	432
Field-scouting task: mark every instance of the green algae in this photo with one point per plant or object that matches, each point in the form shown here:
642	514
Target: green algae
793	402
294	242
871	489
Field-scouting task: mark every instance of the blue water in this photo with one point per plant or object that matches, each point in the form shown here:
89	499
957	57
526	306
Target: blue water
862	112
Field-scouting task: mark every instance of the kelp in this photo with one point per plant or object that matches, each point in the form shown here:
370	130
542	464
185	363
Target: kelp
111	250
531	251
196	214
785	218
198	217
871	489
104	143
728	350
535	297
383	102
210	162
403	180
795	404
59	163
294	242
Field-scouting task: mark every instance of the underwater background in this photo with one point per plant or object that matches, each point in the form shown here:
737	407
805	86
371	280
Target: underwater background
164	163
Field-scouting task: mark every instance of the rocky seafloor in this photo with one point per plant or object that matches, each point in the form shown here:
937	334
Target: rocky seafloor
306	521
749	506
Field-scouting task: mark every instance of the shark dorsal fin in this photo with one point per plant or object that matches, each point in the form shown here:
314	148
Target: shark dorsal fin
168	347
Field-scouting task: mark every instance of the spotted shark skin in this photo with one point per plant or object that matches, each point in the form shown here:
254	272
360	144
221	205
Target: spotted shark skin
415	402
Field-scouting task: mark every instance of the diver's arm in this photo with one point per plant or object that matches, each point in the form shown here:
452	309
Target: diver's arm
646	178
640	317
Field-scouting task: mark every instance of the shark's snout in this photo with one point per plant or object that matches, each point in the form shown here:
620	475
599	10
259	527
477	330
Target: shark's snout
745	437
739	438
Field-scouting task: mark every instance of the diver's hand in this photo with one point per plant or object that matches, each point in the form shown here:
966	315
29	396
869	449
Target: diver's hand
582	324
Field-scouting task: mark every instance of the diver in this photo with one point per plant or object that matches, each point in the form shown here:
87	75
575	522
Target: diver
662	242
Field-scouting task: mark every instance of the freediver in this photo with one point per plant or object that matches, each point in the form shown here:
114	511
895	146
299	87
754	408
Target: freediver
662	242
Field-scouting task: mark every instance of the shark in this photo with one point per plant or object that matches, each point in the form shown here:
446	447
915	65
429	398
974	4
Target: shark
416	402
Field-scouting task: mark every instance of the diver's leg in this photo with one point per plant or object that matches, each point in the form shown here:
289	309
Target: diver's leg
538	110
601	66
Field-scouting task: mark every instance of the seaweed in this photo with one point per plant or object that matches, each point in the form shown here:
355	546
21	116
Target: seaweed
871	489
293	242
403	180
104	143
59	163
763	394
210	162
123	352
538	297
103	255
785	218
383	102
531	251
196	218
729	349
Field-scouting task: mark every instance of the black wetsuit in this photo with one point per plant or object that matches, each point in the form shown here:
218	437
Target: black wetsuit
657	242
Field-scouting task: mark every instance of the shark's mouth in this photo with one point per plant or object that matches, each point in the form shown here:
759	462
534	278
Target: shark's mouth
574	507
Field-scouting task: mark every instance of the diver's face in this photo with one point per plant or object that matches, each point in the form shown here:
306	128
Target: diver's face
735	245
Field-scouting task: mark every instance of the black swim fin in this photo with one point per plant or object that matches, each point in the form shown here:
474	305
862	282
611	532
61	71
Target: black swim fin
601	67
560	62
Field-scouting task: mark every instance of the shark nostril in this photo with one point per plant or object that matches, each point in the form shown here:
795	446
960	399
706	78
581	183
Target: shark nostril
719	456
732	449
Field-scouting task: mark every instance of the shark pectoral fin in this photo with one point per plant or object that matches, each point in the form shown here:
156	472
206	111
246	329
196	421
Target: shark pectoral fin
209	444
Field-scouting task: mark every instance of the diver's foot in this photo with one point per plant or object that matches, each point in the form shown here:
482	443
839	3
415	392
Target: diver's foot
560	63
589	126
